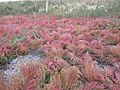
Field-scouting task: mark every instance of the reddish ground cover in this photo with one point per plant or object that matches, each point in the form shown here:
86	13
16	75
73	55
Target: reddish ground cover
81	53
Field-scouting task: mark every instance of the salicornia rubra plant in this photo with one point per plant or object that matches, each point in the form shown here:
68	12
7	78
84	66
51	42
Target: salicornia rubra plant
79	53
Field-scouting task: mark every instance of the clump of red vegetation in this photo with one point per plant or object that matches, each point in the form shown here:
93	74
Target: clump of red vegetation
81	53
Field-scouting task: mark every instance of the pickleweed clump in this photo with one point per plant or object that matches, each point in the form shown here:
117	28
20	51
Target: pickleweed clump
79	53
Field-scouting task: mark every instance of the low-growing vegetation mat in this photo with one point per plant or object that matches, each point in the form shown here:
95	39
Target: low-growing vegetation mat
78	53
64	8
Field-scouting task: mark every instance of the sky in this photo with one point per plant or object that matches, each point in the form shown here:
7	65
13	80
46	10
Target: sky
9	0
